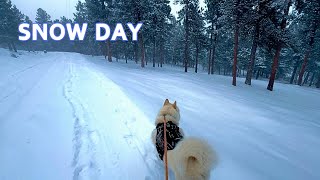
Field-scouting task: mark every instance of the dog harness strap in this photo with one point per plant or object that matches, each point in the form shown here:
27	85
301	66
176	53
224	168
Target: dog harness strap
173	137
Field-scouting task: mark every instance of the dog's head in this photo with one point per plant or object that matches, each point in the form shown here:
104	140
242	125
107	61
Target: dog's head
171	111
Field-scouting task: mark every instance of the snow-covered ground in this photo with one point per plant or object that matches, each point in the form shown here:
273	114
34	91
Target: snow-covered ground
70	116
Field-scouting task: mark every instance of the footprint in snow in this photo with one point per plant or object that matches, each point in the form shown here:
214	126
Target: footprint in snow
115	158
129	140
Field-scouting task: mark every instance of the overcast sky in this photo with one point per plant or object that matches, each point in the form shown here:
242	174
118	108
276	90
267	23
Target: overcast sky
59	8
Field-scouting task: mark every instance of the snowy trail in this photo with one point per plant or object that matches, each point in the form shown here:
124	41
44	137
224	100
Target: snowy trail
70	116
258	134
116	131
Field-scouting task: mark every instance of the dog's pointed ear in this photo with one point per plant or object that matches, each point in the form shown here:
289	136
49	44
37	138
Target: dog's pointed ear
166	102
175	104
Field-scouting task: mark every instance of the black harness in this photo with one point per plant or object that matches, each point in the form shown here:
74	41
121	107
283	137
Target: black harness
173	137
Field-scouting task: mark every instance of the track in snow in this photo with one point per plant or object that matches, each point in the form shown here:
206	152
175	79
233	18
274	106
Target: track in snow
111	135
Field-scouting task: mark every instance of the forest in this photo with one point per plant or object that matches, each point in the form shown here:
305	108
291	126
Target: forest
273	40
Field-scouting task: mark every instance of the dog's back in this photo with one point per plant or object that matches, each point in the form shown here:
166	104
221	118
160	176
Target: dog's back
192	158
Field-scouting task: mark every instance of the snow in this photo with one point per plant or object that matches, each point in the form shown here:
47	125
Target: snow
71	116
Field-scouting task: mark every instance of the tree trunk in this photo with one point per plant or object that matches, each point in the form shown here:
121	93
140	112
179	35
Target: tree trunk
318	82
312	78
209	61
154	54
303	67
14	47
258	74
294	71
210	50
197	58
109	51
136	53
146	55
306	57
235	54
306	78
161	54
236	44
252	55
186	49
142	52
173	59
274	68
9	46
278	51
104	49
213	53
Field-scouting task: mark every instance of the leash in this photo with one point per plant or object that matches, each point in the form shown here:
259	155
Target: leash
165	148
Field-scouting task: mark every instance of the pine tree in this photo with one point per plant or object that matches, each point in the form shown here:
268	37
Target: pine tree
137	11
100	11
16	19
156	27
81	17
312	16
185	15
236	40
5	14
213	15
239	9
176	42
279	45
197	30
10	17
29	43
255	16
42	17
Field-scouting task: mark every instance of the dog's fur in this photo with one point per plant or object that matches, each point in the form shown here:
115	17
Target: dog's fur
192	158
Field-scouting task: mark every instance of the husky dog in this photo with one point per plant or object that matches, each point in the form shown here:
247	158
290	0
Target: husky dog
189	158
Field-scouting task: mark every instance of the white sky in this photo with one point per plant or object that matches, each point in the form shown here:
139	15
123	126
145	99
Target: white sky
59	8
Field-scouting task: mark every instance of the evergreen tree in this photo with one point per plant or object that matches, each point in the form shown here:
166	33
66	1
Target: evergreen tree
279	44
29	44
213	16
184	15
10	17
99	11
255	16
42	17
81	17
312	19
136	11
197	30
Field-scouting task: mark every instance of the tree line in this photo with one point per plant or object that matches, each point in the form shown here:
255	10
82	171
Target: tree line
275	40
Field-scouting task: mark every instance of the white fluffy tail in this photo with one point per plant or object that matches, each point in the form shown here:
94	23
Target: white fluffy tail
192	159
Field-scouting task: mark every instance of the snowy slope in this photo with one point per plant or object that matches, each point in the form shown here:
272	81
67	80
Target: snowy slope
70	116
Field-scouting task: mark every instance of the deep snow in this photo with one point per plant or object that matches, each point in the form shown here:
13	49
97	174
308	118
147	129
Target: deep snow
70	116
